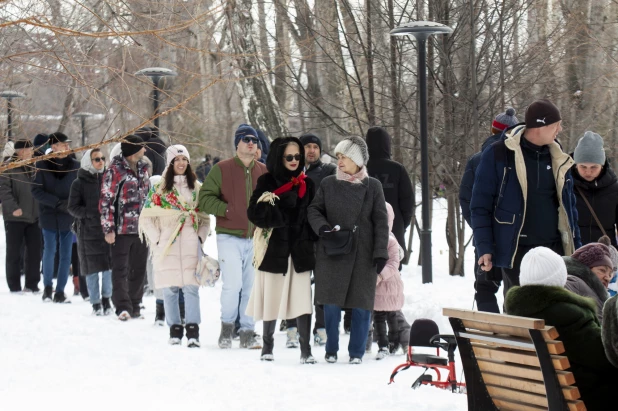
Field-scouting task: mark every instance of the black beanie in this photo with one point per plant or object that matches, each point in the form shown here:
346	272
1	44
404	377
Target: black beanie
131	145
311	138
19	144
542	113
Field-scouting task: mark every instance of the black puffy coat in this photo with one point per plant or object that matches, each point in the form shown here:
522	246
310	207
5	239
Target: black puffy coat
94	252
602	194
395	180
51	188
291	235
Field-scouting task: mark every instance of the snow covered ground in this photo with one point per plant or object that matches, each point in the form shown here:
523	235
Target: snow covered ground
60	356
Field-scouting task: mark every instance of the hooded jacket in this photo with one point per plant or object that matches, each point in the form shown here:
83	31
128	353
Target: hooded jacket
499	199
389	288
582	281
291	235
51	188
395	180
94	252
602	194
575	319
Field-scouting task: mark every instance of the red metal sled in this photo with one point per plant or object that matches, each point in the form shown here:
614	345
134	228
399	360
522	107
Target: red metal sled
425	333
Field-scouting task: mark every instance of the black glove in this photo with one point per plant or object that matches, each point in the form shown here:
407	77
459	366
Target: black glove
323	229
62	205
379	263
288	199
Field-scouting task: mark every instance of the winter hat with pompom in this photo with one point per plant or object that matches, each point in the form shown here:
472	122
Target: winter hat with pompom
354	148
505	120
175	151
613	253
593	255
542	266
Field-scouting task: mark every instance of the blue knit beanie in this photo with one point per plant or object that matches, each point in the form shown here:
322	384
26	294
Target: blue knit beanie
244	130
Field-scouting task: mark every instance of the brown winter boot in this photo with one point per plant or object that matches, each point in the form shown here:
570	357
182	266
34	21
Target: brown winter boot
75	285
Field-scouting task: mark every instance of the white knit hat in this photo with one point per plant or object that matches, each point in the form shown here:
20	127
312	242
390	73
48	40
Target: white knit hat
175	151
354	148
542	266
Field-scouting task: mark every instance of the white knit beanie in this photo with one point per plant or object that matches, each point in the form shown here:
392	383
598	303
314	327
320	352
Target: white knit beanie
354	148
542	266
175	151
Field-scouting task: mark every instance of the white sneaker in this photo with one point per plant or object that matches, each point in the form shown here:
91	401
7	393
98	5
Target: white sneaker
267	357
292	341
308	360
356	360
319	337
382	353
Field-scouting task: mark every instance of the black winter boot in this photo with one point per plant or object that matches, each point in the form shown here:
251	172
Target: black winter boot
160	314
193	336
176	332
107	308
304	331
269	340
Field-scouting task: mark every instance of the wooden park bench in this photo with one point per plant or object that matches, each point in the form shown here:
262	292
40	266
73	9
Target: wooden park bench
513	363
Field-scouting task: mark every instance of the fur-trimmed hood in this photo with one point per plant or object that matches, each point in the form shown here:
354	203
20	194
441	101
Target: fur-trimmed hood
579	270
529	300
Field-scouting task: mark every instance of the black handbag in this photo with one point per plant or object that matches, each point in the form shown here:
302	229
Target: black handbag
340	242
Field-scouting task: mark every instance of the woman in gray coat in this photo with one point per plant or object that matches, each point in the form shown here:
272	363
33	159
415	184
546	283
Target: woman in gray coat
349	200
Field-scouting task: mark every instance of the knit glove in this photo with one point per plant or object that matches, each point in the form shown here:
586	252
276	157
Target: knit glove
379	263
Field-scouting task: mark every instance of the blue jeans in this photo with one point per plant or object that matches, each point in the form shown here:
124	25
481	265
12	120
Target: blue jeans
93	286
236	262
361	320
51	238
192	305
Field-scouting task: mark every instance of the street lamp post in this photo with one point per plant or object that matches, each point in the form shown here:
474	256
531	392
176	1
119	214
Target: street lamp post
156	73
9	95
83	116
421	30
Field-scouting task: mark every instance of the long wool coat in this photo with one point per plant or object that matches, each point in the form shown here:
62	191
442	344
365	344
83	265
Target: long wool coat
575	319
389	290
94	252
349	281
176	267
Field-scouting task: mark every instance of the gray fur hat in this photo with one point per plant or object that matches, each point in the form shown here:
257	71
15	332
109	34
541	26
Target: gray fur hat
590	149
354	148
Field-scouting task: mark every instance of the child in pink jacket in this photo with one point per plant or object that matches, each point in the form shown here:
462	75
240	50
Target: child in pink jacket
389	296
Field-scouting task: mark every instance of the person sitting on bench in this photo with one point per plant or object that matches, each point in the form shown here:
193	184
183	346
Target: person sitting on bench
542	295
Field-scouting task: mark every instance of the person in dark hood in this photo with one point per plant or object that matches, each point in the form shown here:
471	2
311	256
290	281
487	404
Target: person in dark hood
155	149
487	283
282	285
596	182
395	180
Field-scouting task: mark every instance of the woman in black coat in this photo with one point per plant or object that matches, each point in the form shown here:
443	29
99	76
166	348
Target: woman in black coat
282	285
94	252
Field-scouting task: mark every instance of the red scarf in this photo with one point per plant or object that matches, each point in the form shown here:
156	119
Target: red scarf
296	181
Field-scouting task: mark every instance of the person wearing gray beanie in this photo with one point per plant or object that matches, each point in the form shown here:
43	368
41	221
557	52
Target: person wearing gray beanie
503	121
596	189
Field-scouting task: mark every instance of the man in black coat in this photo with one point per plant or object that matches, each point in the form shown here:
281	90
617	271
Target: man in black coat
315	168
395	180
51	188
155	149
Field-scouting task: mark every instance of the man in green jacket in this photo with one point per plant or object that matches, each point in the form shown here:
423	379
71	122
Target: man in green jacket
225	194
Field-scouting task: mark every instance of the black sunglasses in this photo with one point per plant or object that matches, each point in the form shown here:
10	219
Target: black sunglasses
248	140
291	157
97	159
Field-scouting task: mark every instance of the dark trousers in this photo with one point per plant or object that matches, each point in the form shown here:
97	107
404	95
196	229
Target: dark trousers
20	235
358	331
380	319
83	285
510	276
486	285
129	258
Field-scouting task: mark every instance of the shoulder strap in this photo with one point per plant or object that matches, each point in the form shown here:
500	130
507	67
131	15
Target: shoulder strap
361	209
591	210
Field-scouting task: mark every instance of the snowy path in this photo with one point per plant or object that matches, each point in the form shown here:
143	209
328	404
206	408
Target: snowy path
61	357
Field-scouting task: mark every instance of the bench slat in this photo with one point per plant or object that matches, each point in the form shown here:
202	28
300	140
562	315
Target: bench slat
517	356
554	347
499	319
536	387
522	371
522	396
576	405
549	333
505	405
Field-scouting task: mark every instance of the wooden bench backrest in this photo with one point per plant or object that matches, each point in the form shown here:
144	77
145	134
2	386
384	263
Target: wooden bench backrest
514	362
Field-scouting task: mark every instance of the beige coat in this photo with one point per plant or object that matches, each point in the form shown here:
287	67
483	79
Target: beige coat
176	266
276	296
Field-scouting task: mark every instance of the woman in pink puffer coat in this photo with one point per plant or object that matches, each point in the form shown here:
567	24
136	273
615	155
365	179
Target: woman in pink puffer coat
389	295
